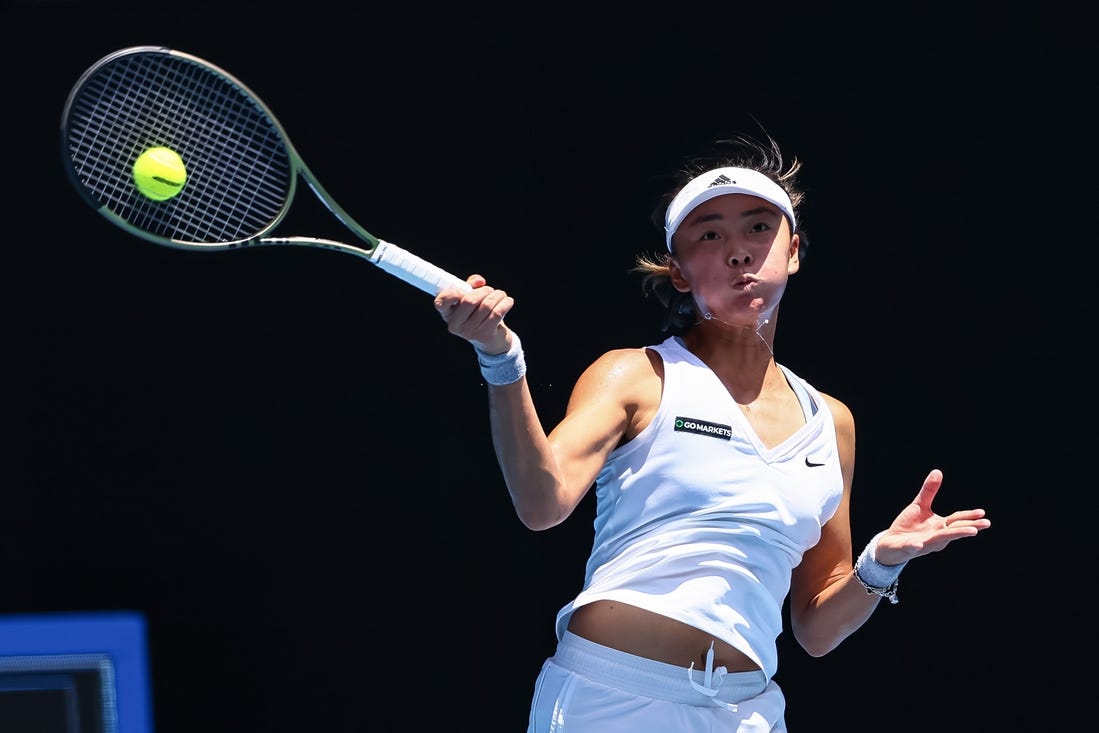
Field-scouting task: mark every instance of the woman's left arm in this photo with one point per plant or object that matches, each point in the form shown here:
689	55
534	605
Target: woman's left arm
828	602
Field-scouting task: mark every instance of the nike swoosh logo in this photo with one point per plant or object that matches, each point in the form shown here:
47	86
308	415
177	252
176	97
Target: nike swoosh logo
810	464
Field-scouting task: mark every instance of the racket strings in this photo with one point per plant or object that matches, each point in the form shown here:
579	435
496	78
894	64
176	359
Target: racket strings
240	173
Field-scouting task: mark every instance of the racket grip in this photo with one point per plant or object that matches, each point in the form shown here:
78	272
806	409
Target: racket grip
414	270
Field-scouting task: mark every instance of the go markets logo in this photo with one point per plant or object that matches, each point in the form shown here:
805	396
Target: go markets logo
701	427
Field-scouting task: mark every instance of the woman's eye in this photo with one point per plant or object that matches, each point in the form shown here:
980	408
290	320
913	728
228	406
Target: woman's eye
710	236
761	226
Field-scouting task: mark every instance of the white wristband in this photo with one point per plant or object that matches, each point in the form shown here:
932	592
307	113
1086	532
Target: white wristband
880	580
505	368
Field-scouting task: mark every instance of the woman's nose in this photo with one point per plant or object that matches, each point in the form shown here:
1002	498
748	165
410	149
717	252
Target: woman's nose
738	260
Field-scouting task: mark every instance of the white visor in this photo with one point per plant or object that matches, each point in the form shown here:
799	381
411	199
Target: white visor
719	182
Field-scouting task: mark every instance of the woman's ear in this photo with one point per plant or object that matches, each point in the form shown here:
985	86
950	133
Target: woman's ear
679	282
793	261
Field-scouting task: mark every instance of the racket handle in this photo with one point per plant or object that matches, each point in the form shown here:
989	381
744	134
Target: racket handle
414	270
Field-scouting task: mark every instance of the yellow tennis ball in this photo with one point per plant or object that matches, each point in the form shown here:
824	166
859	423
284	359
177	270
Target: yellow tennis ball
159	173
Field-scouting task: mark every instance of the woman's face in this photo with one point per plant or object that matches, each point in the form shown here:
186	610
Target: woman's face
734	253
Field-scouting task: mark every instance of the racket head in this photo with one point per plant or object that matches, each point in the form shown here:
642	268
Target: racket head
241	170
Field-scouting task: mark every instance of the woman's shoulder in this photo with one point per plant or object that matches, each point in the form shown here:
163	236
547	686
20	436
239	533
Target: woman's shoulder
645	359
628	362
629	371
841	413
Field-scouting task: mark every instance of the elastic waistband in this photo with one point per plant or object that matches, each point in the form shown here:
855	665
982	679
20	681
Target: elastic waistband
648	677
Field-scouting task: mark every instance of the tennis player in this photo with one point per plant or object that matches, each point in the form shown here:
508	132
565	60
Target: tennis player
722	478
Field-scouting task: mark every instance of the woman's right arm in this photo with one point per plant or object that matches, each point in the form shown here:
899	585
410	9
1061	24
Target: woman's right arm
547	474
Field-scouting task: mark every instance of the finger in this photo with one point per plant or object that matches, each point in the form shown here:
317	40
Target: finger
446	306
929	489
448	297
499	303
489	316
970	519
945	536
965	515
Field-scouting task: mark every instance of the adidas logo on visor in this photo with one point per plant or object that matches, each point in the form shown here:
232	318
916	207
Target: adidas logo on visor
721	181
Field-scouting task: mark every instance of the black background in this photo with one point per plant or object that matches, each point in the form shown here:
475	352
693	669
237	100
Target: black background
281	458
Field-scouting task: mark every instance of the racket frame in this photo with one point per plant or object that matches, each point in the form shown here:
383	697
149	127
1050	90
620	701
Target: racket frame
391	258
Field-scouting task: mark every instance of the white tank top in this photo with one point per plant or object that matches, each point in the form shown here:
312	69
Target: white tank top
697	520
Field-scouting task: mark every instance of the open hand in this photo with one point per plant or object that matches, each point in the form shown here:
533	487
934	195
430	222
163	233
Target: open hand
918	530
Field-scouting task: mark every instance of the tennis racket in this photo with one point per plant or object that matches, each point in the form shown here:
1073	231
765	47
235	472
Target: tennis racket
242	171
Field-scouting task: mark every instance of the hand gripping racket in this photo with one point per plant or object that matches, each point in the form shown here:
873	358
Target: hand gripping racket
241	170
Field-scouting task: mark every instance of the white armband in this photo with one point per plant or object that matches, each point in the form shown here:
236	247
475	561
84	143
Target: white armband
504	368
877	579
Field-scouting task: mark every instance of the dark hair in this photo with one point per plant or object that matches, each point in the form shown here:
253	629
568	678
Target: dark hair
740	151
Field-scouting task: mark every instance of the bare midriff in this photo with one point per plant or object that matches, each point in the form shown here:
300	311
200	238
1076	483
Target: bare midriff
646	634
